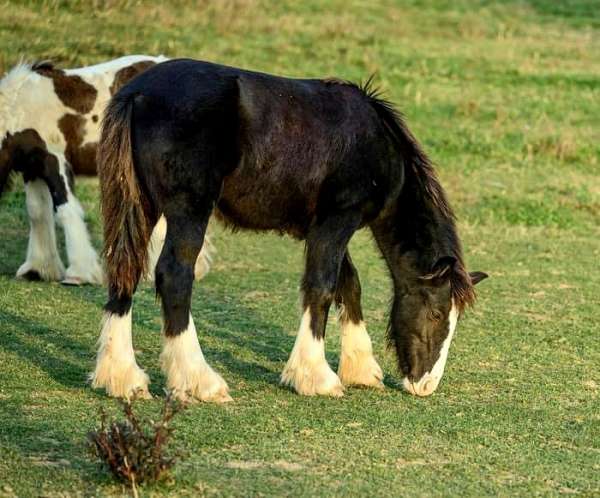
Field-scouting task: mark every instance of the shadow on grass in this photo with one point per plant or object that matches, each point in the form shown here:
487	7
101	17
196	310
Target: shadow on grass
46	444
232	336
46	348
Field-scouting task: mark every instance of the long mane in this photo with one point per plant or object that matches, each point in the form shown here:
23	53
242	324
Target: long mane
420	168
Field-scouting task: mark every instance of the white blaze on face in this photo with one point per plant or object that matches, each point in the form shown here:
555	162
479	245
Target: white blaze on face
430	381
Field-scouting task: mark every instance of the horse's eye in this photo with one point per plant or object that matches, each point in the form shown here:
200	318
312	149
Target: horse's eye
435	315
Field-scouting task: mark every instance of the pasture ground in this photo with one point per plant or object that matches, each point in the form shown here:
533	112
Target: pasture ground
506	99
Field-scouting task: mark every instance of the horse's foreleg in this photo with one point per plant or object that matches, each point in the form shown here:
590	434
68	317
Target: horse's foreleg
188	373
357	364
307	370
43	261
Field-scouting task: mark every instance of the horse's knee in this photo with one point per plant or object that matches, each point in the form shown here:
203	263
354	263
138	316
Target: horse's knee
318	297
174	286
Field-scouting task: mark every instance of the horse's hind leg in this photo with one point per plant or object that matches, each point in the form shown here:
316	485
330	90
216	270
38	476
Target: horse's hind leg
357	364
182	360
116	368
43	261
307	370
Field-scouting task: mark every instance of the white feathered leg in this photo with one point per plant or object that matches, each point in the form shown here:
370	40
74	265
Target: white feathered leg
307	370
43	261
116	368
84	267
357	364
188	373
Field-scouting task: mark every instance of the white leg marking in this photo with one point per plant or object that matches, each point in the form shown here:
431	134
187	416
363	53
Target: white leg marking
42	253
116	368
430	381
357	364
84	267
188	373
157	240
307	370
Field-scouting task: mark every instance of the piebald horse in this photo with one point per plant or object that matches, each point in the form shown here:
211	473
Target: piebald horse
49	129
316	159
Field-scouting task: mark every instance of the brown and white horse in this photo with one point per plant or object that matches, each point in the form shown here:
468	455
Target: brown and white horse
316	159
49	130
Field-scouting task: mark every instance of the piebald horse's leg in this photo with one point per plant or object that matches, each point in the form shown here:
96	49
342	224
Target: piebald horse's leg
43	261
307	370
188	373
357	364
84	267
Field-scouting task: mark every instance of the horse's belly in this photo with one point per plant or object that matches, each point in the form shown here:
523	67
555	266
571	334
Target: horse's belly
265	206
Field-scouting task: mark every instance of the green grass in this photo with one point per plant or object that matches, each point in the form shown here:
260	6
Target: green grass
505	97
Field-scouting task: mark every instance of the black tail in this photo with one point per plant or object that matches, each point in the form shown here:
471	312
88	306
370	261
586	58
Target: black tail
125	208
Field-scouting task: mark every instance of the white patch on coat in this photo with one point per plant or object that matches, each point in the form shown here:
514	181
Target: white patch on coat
28	100
84	267
116	368
42	252
430	381
188	373
307	370
101	77
357	363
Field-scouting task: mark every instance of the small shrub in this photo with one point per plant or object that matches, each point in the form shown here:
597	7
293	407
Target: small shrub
135	450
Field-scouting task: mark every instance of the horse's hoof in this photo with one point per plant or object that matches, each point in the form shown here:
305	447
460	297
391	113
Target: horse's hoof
309	380
72	281
360	369
30	276
38	271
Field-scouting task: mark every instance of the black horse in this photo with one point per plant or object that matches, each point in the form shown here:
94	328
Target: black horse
316	159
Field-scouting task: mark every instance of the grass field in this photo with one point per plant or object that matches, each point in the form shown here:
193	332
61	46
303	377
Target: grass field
506	98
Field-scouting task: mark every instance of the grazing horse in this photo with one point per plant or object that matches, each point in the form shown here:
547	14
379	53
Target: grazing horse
316	159
49	128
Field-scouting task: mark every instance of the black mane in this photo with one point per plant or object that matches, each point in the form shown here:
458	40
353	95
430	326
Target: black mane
421	169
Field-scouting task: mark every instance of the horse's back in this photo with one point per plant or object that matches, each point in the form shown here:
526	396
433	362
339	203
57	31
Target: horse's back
283	147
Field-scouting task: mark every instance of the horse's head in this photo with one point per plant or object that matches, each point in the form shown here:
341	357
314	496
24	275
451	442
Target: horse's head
423	320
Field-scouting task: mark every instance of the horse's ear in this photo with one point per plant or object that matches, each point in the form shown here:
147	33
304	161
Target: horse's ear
477	276
441	269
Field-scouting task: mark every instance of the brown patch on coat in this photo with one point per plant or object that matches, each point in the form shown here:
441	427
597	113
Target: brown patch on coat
81	157
26	152
122	76
17	151
72	90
